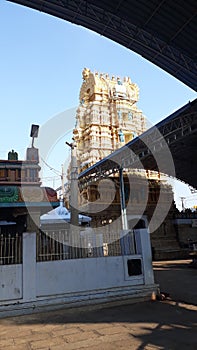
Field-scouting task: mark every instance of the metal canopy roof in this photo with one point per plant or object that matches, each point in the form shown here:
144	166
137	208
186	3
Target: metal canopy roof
164	32
168	147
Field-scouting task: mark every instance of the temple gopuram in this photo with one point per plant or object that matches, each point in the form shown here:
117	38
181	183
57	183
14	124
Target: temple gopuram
107	118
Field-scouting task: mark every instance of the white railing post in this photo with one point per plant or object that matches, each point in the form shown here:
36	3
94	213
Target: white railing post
29	266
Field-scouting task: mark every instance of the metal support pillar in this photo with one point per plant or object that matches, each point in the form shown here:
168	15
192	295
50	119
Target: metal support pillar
74	186
122	201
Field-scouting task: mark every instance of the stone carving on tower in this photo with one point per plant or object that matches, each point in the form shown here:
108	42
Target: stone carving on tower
107	116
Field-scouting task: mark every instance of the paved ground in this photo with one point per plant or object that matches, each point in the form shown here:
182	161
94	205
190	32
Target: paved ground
176	278
170	324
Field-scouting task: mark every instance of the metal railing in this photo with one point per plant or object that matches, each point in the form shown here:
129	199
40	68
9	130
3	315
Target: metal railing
10	249
61	245
51	245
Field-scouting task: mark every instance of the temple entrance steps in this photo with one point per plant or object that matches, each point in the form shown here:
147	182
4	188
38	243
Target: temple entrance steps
164	248
171	254
168	242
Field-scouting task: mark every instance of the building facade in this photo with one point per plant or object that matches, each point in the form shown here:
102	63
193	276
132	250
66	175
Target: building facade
22	199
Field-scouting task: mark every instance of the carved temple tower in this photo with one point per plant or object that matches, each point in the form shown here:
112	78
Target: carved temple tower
107	117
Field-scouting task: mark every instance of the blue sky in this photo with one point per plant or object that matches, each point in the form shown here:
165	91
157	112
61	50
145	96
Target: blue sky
42	58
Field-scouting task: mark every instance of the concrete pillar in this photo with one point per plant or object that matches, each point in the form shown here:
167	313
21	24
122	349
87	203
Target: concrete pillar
143	246
29	266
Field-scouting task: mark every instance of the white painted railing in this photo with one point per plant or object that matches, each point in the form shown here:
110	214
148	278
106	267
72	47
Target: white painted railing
10	249
61	244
